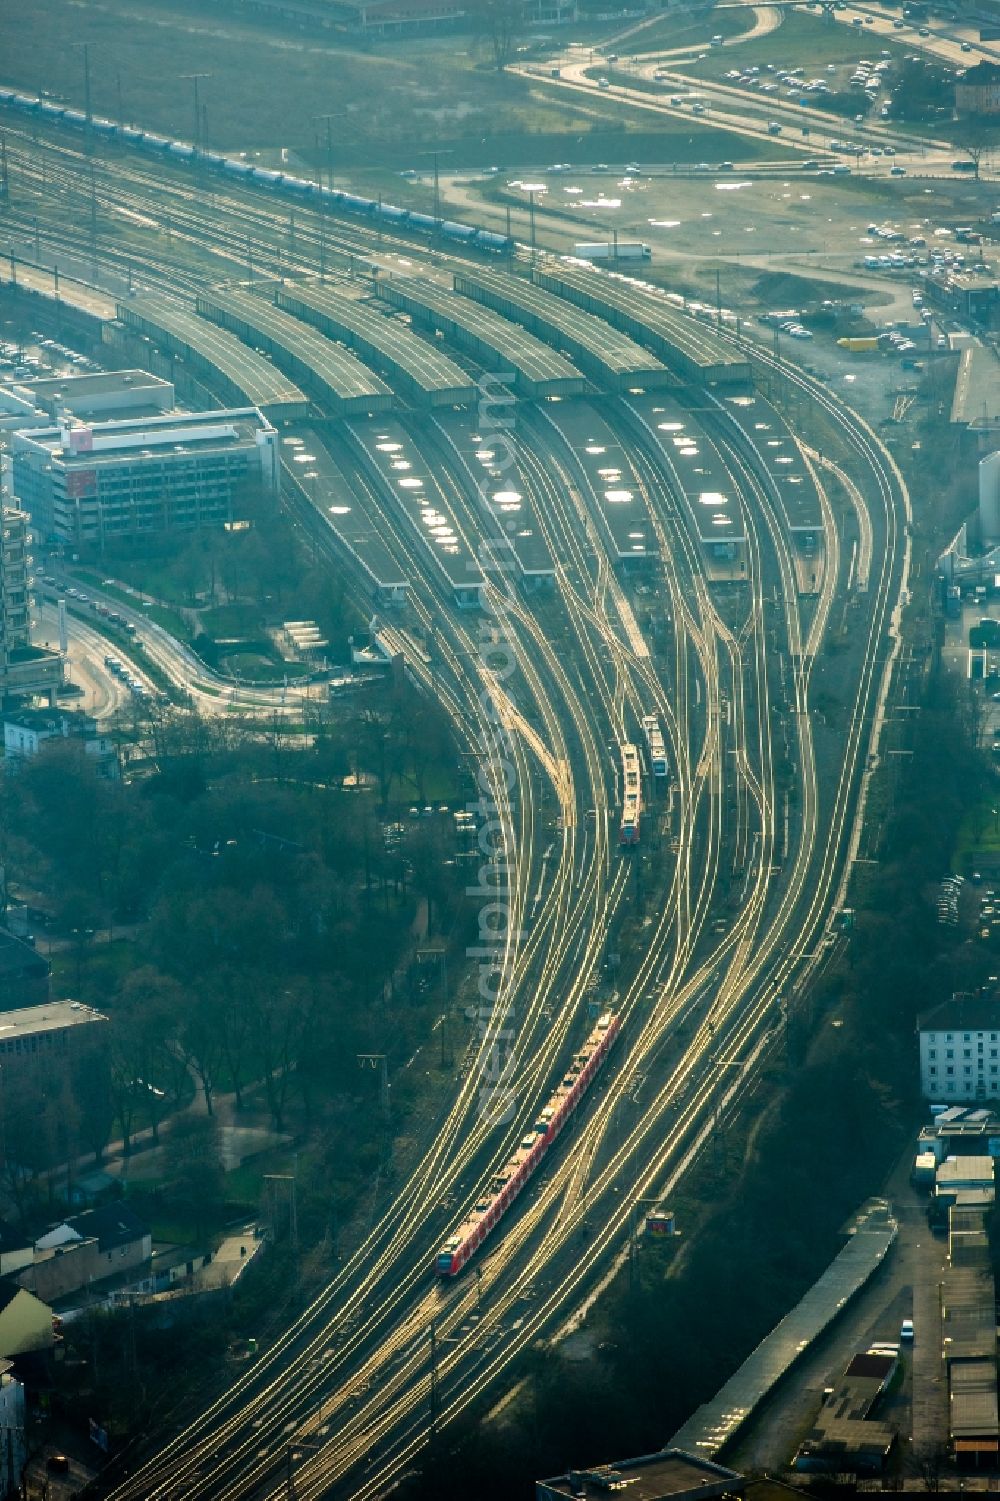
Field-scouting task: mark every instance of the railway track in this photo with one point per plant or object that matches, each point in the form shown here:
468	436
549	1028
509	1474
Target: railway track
350	1384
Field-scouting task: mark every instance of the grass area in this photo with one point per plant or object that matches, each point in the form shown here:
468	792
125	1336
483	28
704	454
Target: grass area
666	32
230	620
89	975
245	1182
267	90
171	1230
153	576
801	41
170	620
255	668
978	837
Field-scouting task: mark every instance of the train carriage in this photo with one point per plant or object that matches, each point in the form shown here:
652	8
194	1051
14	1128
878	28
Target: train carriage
485	240
631	796
655	746
506	1184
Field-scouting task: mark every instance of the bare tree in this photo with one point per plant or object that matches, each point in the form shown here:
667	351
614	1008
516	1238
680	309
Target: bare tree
977	136
500	23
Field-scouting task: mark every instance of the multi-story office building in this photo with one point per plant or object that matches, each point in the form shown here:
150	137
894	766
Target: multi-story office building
25	670
88	486
15	577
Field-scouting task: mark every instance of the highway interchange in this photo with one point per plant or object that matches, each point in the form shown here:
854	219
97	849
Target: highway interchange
954	43
722	915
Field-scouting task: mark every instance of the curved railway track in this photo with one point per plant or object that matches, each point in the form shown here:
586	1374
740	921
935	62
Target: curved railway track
350	1381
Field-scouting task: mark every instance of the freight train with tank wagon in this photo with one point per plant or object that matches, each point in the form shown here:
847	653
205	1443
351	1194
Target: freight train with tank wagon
287	184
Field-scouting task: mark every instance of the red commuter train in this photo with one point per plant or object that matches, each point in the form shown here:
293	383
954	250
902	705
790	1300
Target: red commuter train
505	1186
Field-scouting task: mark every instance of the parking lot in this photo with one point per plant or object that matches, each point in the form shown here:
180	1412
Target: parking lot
33	355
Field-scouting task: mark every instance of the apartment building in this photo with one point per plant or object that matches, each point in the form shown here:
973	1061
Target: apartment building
25	670
960	1050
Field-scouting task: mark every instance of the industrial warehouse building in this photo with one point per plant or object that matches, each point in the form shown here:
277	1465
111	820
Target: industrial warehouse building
86	486
669	1475
845	1438
955	1161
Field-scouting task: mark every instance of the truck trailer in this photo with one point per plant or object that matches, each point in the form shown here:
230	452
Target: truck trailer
605	250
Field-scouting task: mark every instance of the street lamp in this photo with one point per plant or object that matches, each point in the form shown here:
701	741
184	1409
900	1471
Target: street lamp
195	79
331	115
437	181
531	188
86	81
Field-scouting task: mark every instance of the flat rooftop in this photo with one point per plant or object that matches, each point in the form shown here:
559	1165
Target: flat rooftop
96	383
694	468
604	457
342	380
648	315
973	1391
977	386
382	338
653	1477
179	330
502	494
857	1440
968	1315
970	1169
91	444
539	369
776	445
52	1017
411	489
75	294
343	508
592	342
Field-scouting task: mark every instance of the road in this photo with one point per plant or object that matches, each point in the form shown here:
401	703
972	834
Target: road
194	682
742	113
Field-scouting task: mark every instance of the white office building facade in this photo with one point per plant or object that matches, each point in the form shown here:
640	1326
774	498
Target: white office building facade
960	1051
